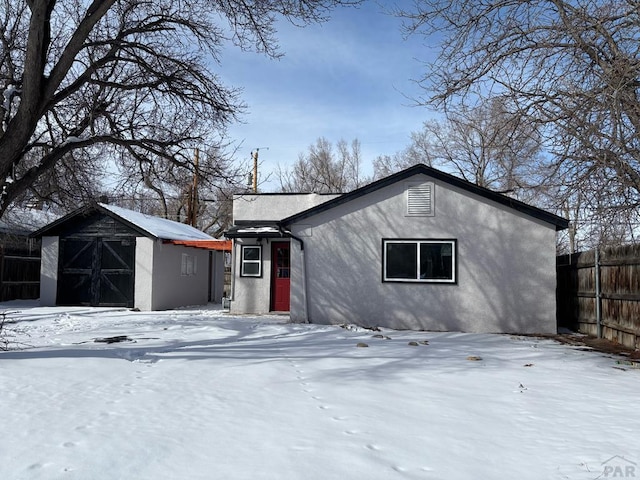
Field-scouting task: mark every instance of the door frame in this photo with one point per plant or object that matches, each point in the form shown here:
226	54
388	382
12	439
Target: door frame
274	277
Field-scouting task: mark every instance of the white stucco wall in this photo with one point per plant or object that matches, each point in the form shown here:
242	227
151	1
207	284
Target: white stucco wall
159	283
506	265
143	291
252	294
49	271
273	207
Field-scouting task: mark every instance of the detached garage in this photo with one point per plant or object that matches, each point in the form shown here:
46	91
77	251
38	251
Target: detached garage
103	255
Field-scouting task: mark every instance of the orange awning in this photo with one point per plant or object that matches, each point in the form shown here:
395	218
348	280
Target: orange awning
220	245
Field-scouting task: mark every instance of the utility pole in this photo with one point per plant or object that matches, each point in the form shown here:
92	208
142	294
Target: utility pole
194	219
192	199
254	155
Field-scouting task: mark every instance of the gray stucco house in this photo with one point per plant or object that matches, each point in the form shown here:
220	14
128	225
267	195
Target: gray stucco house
420	249
103	255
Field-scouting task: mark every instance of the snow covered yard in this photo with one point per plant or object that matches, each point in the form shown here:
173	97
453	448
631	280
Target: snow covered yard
199	394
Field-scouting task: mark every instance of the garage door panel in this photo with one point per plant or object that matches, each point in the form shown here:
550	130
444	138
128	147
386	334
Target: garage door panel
97	272
75	273
77	254
74	289
114	288
117	272
117	254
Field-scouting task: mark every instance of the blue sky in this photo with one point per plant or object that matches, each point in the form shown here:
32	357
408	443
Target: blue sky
351	77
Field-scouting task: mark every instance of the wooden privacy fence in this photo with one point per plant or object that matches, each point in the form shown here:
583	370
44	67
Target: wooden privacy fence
19	268
599	293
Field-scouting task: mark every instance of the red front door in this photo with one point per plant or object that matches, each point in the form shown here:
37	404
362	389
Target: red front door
280	273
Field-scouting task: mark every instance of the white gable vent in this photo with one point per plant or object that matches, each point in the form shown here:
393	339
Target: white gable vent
420	199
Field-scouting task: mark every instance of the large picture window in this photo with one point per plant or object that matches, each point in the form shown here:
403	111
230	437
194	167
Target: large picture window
251	261
428	261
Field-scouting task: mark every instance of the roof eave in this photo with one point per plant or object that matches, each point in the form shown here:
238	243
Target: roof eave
547	217
256	234
255	229
86	210
217	245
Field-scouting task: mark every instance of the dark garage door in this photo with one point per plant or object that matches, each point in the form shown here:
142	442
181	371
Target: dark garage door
96	271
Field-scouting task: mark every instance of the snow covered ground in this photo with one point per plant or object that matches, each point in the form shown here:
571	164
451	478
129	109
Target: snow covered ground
200	394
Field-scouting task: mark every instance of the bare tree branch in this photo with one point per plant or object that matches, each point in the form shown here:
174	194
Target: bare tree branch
132	79
572	66
321	171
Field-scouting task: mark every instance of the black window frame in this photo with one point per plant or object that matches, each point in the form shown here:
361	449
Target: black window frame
243	262
417	242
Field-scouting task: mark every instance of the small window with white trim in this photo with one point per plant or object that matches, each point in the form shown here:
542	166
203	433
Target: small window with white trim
189	265
420	199
251	261
420	261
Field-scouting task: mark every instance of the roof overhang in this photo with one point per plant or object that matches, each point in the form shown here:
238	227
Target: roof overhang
252	229
218	245
143	225
56	227
557	222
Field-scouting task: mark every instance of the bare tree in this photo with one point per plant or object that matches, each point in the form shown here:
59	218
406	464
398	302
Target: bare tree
488	145
571	65
596	205
76	178
133	77
419	151
200	196
322	170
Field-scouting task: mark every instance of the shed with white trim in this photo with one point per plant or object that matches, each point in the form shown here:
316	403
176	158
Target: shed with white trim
103	255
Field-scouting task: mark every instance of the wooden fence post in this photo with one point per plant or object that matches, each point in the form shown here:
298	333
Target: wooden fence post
598	294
